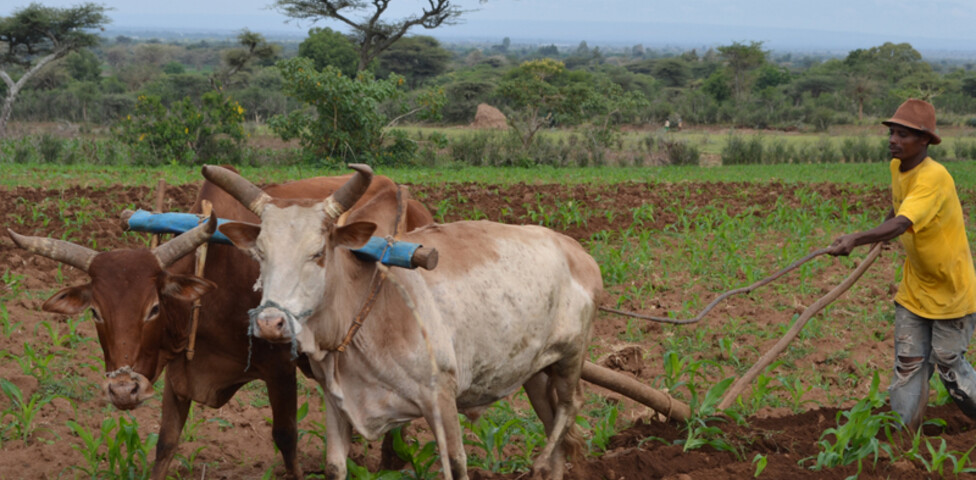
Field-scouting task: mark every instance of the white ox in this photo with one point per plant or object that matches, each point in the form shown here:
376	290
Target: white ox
507	306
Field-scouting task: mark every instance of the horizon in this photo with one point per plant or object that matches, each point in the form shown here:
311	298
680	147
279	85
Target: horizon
835	26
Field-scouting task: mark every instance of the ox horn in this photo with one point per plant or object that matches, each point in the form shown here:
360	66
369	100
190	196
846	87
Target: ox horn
349	193
186	242
60	250
239	187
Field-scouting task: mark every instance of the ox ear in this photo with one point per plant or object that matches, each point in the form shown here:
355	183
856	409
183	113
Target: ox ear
242	234
187	287
354	235
70	301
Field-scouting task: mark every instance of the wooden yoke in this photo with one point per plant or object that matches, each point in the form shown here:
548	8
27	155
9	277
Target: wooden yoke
400	224
425	258
160	197
201	261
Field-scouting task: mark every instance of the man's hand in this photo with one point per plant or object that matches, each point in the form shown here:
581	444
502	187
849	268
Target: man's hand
843	245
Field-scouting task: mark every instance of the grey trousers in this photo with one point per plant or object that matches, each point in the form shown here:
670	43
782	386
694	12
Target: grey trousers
922	346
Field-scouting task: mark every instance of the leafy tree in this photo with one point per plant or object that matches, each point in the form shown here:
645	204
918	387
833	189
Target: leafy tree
416	58
35	36
717	85
608	108
329	47
254	48
83	66
536	92
550	50
742	59
373	33
969	86
674	72
887	62
770	75
861	88
344	121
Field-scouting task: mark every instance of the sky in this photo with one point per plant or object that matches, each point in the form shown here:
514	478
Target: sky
780	24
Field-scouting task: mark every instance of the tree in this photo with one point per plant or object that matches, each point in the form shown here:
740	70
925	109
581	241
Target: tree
343	121
373	34
537	91
325	46
741	59
253	48
35	36
861	88
416	58
674	72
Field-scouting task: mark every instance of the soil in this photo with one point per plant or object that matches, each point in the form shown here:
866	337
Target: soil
234	442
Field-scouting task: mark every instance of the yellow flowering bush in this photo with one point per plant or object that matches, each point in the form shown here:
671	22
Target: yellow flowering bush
184	133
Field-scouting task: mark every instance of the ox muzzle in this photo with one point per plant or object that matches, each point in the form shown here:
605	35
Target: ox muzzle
126	388
274	323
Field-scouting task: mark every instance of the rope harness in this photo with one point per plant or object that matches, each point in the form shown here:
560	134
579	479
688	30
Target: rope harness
379	277
126	370
289	318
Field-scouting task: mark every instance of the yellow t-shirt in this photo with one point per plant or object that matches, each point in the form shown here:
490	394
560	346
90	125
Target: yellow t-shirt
938	281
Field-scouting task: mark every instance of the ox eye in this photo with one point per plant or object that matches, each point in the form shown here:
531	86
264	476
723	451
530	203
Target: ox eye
317	255
95	316
153	312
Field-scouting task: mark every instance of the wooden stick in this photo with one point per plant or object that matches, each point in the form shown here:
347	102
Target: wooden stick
200	264
721	297
631	388
812	310
160	198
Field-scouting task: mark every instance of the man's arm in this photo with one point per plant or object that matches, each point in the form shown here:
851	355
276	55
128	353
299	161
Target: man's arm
892	227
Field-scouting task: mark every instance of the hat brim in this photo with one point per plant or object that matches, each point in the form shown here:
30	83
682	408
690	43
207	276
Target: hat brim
935	139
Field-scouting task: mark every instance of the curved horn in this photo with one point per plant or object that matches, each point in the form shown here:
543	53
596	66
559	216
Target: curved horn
186	242
240	188
60	250
347	195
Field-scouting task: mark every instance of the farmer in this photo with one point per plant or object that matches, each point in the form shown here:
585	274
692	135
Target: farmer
936	302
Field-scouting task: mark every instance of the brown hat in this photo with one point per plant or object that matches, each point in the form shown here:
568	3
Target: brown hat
916	115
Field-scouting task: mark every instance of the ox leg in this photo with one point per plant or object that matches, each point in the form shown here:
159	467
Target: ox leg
538	392
564	388
338	437
452	439
175	410
282	393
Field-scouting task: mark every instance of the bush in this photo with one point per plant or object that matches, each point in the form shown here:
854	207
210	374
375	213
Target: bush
965	150
184	133
681	153
862	151
740	151
779	152
505	149
821	151
50	148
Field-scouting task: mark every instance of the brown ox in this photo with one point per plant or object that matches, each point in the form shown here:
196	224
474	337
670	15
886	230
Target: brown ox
507	306
140	301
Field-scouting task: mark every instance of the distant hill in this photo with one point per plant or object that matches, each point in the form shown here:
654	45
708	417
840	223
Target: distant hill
613	34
